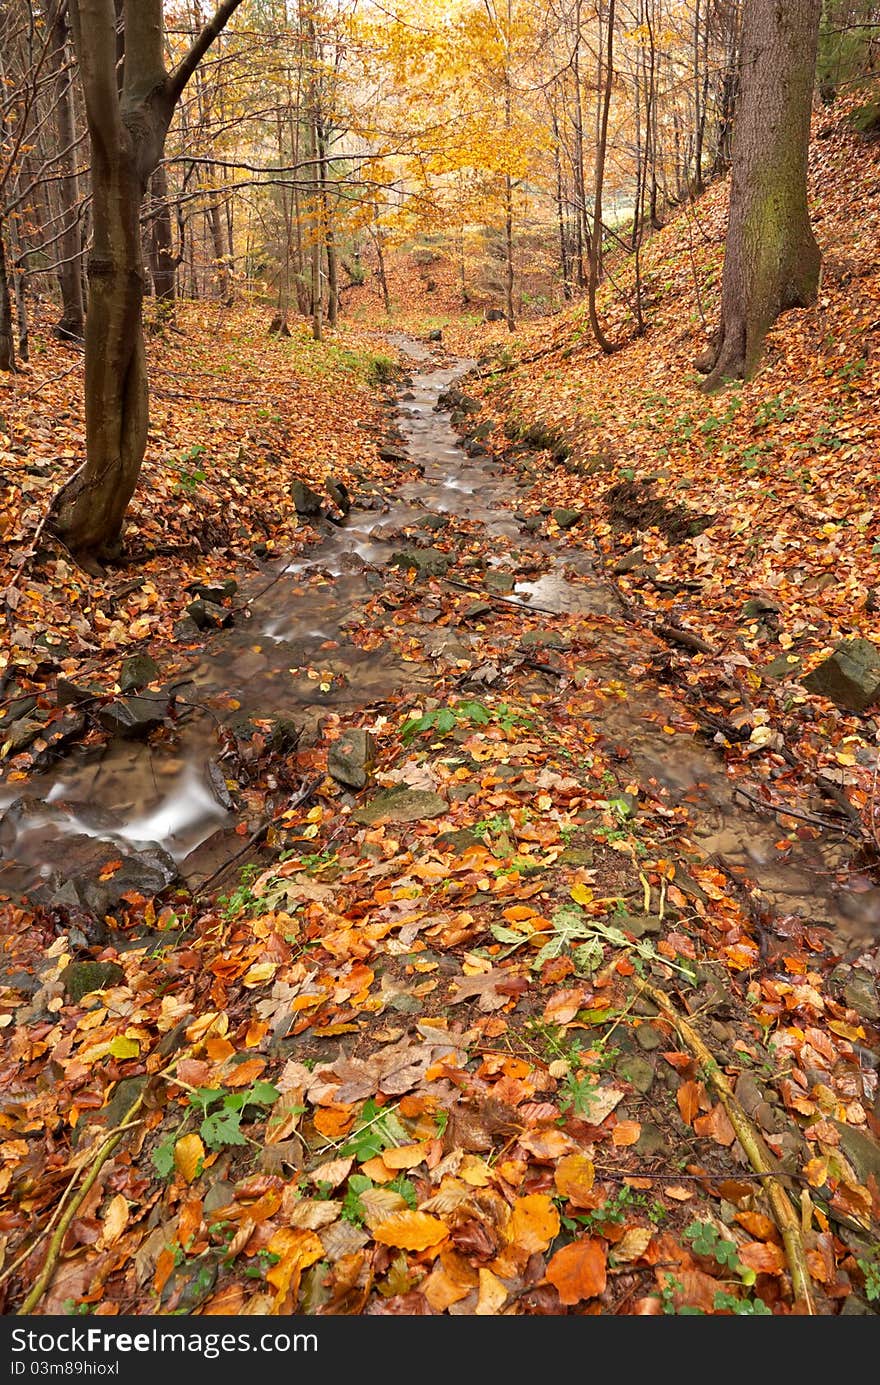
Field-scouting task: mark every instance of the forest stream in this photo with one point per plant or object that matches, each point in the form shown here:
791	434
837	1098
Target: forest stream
292	659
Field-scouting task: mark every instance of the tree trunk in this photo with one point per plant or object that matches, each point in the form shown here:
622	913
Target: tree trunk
771	260
221	255
69	243
163	262
127	122
7	338
601	148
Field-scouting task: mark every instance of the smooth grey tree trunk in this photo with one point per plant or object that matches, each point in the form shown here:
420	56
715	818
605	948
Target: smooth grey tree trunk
69	244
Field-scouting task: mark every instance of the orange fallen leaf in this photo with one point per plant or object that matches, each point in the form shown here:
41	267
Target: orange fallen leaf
410	1231
534	1222
626	1133
577	1271
574	1177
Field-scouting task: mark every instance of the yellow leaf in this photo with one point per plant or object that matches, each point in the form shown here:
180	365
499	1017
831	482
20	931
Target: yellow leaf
582	894
534	1222
410	1231
124	1048
492	1296
259	974
632	1244
115	1220
188	1155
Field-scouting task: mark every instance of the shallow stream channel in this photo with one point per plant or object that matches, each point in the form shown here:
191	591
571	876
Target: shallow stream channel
164	805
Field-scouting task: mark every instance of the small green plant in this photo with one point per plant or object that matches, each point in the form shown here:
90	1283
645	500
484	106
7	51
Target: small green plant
378	1128
442	720
871	1270
222	1114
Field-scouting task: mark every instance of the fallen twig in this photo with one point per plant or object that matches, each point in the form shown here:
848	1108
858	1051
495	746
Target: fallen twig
752	1143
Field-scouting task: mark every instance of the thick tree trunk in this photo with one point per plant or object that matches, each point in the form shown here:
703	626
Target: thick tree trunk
7	337
69	243
771	260
90	509
128	120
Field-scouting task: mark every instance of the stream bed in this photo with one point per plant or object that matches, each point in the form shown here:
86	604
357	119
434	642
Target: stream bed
165	810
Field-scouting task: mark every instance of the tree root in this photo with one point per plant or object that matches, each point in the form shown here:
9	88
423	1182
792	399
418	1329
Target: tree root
752	1142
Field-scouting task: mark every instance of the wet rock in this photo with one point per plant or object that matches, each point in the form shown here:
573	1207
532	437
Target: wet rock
82	977
428	562
77	882
458	841
133	717
434	522
435	335
849	677
137	671
532	524
501	582
53	651
545	639
68	694
186	630
351	758
401	805
460	793
861	1150
338	493
207	615
861	995
16	709
217	592
21	734
306	502
390	452
567	519
493	315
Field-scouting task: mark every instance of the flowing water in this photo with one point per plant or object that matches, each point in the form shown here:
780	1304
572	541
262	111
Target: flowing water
293	659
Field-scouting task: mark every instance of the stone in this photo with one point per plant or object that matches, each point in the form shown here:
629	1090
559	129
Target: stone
137	671
338	493
351	758
68	694
20	734
82	977
861	1150
214	591
434	522
651	1140
758	606
460	793
435	335
783	666
861	995
133	717
307	502
648	1038
545	639
390	452
849	677
16	709
401	805
207	615
567	519
493	315
640	924
501	582
476	609
630	561
576	856
427	562
637	1071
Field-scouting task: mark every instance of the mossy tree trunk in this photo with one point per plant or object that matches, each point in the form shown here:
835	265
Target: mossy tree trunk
771	259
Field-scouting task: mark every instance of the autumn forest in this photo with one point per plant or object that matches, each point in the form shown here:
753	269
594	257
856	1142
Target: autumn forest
440	672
